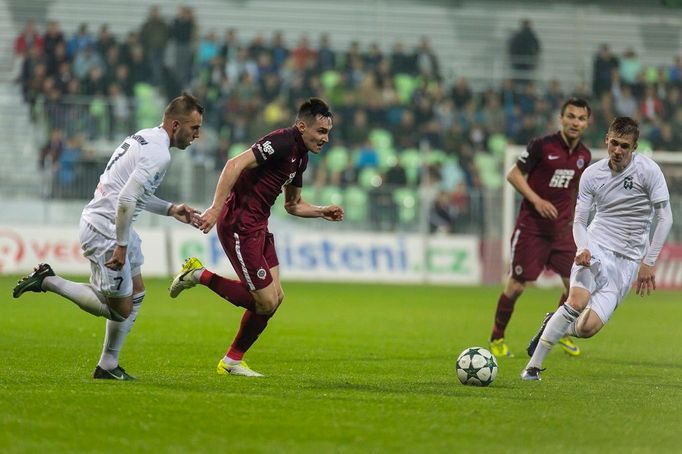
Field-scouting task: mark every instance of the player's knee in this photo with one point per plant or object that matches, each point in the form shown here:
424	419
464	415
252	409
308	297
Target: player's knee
120	308
514	288
280	297
267	306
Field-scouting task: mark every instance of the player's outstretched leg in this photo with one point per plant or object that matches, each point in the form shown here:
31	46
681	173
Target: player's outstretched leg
186	278
229	367
533	344
33	282
117	373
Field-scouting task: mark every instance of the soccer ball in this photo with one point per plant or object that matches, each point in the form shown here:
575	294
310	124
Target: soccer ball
476	366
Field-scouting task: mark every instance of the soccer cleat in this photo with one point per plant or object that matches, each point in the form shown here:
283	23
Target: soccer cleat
533	344
185	279
499	348
569	346
531	374
241	368
33	282
117	373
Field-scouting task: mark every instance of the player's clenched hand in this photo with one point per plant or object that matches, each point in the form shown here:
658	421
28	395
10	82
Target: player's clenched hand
332	213
118	258
583	257
183	212
646	279
546	209
207	220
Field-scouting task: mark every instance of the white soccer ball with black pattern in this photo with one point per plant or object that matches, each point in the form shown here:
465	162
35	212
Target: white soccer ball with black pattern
476	366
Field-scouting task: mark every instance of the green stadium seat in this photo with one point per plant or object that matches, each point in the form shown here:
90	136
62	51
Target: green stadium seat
369	178
489	170
331	195
387	158
406	200
405	86
644	147
411	160
435	157
380	138
330	79
497	145
356	204
337	158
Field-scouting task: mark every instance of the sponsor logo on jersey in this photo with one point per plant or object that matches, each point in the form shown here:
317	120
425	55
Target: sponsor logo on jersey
265	149
561	178
552	157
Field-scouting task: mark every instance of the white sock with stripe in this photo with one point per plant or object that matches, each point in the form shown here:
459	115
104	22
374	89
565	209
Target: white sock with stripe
116	334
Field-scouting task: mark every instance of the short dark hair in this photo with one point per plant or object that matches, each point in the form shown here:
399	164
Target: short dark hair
624	126
311	108
183	106
578	102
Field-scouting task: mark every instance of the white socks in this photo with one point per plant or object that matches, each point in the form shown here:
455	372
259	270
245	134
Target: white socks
564	317
116	334
84	295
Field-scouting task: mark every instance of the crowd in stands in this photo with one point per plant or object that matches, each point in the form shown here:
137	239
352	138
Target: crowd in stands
398	123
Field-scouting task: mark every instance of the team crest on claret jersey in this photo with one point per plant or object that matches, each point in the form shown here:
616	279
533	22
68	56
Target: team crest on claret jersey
580	163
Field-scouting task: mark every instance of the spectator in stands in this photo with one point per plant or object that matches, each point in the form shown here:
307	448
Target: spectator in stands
105	41
426	60
442	215
183	33
48	161
79	41
524	50
630	67
278	47
602	68
401	62
27	38
326	57
666	139
85	61
56	58
154	38
651	105
53	37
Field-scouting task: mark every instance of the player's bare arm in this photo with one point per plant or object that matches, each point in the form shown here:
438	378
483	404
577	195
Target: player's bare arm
228	177
183	212
518	180
296	206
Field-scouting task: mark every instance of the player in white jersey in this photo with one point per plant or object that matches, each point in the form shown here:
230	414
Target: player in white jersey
626	190
126	187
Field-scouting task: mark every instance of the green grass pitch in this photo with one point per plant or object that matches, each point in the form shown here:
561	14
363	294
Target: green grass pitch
349	368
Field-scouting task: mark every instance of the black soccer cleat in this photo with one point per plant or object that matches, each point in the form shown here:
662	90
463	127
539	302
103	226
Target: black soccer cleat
33	282
533	344
117	373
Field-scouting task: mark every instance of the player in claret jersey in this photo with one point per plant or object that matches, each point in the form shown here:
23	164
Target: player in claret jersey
246	191
546	175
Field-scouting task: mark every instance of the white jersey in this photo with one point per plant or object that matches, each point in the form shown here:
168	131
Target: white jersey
145	157
623	202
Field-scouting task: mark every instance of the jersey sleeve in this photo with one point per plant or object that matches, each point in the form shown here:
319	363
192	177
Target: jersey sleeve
530	157
298	178
151	167
583	206
658	189
272	147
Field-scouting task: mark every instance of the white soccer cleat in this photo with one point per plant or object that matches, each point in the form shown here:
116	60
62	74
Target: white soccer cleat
241	369
531	374
185	278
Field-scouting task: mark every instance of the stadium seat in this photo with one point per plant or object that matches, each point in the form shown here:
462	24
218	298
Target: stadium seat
435	157
355	204
380	138
489	170
405	86
406	200
330	195
644	147
387	158
336	159
147	111
411	160
497	145
369	178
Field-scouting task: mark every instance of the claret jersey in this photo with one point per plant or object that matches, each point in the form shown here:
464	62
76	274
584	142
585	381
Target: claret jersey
553	173
282	158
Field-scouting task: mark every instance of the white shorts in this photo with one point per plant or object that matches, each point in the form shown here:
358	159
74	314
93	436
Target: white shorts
98	249
608	279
